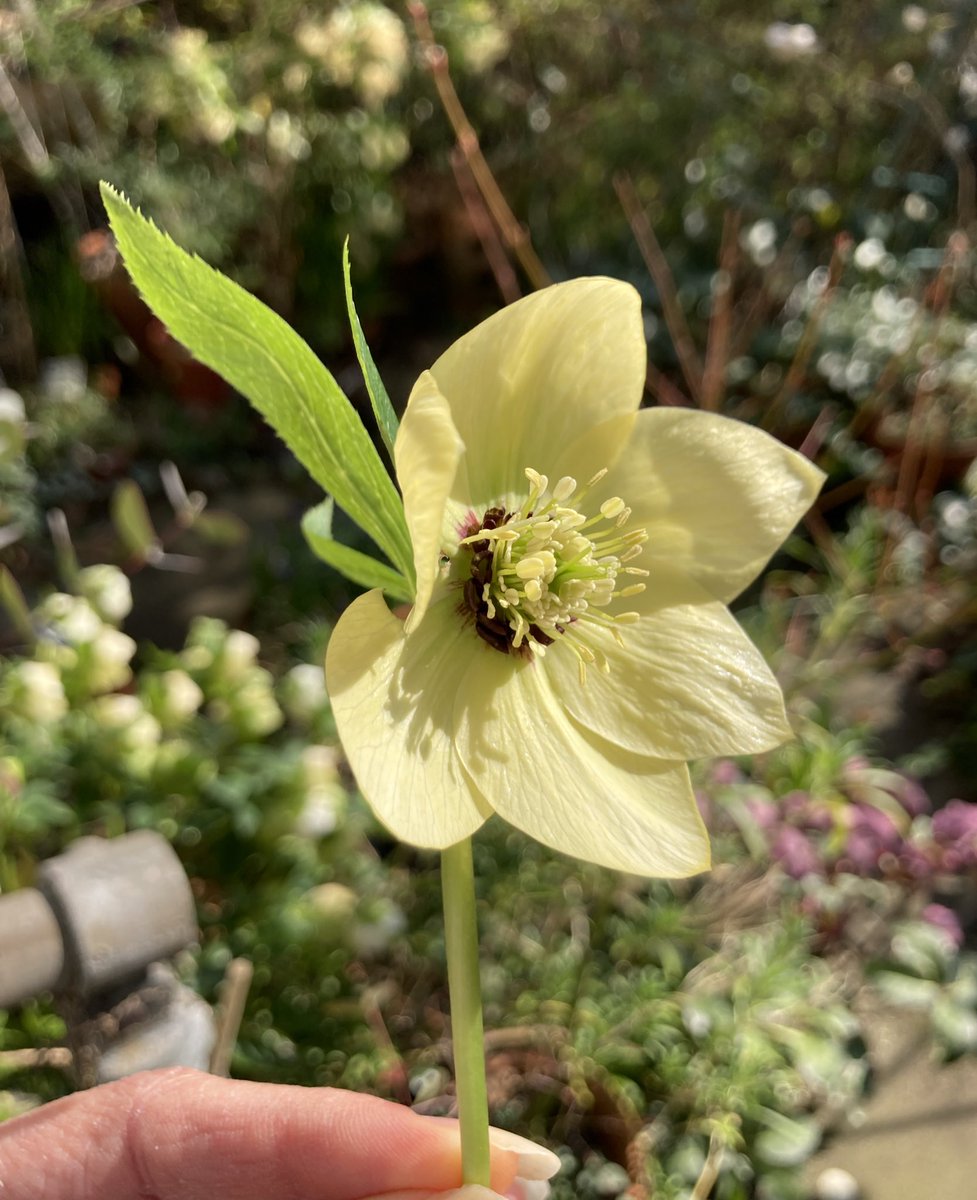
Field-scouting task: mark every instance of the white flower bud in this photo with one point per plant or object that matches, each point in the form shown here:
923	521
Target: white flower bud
320	765
251	707
37	692
180	698
124	717
239	654
12	410
108	660
70	618
108	591
303	692
324	804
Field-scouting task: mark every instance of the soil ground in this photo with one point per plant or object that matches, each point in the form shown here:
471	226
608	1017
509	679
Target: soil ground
915	1137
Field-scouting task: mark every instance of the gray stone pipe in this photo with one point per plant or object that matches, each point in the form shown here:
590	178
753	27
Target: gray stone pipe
100	914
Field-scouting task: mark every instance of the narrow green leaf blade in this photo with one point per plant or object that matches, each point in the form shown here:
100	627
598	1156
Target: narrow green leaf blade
132	521
263	358
12	599
360	568
383	410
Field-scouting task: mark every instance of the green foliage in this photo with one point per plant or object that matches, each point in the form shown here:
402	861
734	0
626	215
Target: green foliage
675	1024
383	412
260	355
359	567
230	130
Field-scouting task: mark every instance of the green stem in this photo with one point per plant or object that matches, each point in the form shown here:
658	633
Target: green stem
467	1037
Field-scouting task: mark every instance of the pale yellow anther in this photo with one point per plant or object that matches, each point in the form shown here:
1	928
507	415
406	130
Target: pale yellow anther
573	589
543	531
570	518
597	478
611	508
530	567
602	591
564	489
538	482
553	575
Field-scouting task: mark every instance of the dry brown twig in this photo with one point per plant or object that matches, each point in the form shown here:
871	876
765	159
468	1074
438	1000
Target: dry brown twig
58	1057
721	318
805	348
485	231
710	1170
661	274
514	234
233	996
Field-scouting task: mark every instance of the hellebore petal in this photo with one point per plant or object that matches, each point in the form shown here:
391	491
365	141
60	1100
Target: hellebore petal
687	683
393	699
569	646
716	496
426	454
568	789
539	373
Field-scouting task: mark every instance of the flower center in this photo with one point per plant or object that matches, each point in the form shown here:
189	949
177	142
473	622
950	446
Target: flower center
547	571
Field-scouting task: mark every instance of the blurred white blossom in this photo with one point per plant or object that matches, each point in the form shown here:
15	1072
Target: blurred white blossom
303	692
787	41
36	692
108	591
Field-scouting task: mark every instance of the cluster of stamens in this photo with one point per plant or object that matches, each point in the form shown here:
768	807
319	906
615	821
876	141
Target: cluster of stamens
546	571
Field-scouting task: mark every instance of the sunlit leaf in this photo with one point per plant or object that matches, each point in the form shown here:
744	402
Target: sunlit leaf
132	521
359	567
383	411
263	358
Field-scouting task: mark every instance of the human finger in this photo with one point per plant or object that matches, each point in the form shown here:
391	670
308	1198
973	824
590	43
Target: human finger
535	1165
182	1135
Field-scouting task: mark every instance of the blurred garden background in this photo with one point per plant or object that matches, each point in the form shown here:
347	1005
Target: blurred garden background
792	186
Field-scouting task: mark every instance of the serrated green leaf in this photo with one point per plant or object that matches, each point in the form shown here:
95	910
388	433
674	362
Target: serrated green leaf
132	522
359	567
236	335
383	410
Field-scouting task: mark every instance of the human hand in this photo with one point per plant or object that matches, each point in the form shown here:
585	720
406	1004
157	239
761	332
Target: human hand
178	1134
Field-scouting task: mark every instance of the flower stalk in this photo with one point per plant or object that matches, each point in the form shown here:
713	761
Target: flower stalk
467	1036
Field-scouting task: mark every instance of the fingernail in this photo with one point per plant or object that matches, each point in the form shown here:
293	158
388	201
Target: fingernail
534	1162
529	1189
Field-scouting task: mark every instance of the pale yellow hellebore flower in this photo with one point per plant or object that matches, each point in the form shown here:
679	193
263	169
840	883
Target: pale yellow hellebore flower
569	646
